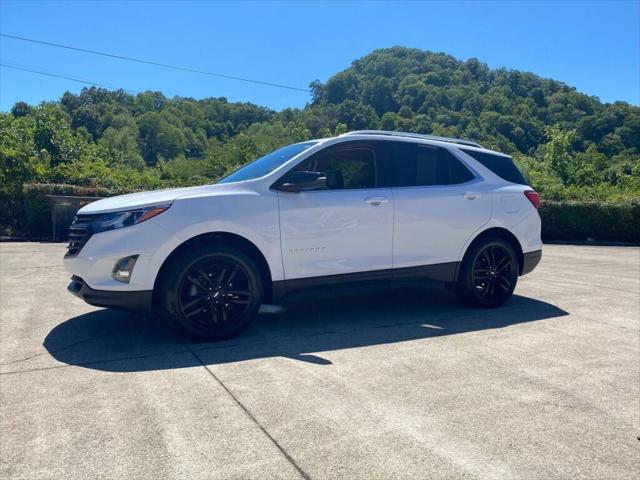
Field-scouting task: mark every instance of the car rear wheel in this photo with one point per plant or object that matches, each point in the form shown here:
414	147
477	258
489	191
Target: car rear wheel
211	293
489	273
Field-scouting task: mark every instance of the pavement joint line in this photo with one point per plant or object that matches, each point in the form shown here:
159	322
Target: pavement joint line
94	362
289	458
560	282
19	360
56	350
593	320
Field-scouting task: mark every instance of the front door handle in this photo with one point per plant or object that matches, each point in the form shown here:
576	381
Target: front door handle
471	195
375	201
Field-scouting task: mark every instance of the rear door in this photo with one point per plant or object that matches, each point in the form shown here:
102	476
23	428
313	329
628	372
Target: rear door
344	226
439	204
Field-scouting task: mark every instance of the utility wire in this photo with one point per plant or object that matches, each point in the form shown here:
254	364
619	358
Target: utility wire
156	64
86	82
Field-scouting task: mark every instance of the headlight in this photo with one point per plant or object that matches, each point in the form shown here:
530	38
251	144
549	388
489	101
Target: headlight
111	221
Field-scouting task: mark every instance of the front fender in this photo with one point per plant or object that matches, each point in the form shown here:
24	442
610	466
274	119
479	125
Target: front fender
192	217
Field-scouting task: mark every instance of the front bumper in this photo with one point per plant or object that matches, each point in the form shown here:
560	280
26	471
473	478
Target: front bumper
134	301
95	262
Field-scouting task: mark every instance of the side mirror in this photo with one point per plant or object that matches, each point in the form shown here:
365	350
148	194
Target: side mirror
303	181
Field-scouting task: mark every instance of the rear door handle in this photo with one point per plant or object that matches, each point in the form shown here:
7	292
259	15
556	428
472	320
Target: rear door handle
471	195
375	201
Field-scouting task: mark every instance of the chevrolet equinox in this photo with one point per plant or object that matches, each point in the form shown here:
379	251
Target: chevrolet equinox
363	207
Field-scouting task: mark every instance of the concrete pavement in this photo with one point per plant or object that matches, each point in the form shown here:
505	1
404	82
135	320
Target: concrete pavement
406	386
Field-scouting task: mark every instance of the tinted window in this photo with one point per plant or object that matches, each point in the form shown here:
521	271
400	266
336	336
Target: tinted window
264	165
501	166
342	168
458	173
423	165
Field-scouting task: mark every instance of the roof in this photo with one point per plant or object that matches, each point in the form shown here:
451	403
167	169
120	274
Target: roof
459	141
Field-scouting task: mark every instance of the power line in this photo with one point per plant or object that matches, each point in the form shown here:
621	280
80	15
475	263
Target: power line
86	82
156	64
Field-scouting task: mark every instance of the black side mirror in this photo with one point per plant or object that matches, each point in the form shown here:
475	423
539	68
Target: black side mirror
303	181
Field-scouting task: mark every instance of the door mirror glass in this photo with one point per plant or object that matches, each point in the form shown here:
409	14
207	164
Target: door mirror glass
304	180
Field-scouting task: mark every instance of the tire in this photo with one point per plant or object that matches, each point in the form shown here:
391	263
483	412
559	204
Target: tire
489	273
210	292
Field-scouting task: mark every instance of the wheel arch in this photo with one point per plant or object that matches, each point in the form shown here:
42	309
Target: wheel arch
505	235
229	239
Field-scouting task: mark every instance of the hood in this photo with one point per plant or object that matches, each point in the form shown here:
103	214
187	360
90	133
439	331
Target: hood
132	201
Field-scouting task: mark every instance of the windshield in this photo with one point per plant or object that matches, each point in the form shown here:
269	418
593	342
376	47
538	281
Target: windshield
267	164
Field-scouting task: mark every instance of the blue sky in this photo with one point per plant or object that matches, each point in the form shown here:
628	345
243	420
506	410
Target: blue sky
593	46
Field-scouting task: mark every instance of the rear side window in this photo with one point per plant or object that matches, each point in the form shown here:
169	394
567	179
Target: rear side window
501	166
423	165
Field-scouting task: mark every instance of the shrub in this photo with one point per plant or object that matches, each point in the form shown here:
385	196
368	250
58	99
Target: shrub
567	220
601	221
37	207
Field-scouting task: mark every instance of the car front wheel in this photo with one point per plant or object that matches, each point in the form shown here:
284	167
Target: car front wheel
211	293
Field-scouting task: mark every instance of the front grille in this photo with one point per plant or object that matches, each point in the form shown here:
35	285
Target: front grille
80	232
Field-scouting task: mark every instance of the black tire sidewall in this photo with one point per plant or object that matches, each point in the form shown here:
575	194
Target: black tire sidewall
466	282
172	280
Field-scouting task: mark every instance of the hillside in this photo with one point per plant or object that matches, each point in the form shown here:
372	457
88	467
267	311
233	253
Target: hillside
570	144
423	91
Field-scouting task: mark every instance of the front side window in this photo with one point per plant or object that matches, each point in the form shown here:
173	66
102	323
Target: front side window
267	164
342	168
424	165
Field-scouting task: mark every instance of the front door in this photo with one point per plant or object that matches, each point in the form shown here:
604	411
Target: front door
346	224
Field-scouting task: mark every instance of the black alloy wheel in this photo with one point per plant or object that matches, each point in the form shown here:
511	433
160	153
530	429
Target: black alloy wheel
215	291
211	293
489	273
493	272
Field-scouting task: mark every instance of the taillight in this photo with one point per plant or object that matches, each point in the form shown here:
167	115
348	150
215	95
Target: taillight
533	197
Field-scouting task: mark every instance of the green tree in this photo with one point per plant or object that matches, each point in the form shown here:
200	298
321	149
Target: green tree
569	144
121	144
558	152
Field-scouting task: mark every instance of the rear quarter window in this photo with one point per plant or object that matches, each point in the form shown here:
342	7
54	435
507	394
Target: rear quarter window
501	166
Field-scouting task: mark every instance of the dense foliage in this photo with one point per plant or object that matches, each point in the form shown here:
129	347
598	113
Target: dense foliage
37	213
569	144
599	221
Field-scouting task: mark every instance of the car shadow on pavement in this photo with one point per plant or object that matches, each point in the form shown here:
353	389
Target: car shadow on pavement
116	341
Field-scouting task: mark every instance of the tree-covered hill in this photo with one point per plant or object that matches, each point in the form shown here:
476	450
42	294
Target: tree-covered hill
408	89
570	145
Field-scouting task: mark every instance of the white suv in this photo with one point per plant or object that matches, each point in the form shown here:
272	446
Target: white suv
363	207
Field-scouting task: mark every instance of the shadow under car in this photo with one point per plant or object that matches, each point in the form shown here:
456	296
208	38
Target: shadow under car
117	341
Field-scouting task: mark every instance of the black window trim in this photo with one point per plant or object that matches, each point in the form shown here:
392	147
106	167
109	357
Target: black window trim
456	153
354	145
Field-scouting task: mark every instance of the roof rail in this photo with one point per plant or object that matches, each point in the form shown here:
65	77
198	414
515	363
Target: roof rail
460	141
